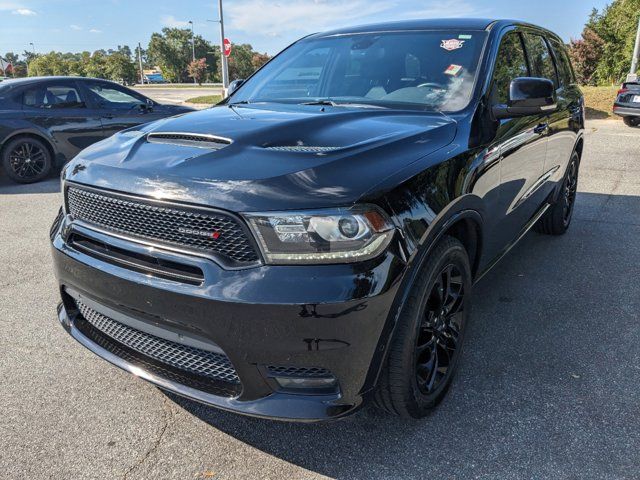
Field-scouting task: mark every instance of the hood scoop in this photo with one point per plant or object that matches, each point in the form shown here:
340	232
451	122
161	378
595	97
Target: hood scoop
302	149
199	140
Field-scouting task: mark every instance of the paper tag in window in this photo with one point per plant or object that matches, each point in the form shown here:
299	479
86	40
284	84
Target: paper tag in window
453	70
452	44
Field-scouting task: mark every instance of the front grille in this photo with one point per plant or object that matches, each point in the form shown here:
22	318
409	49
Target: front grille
194	229
194	361
313	372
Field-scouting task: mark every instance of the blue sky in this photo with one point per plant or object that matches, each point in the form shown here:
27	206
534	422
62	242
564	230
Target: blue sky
269	25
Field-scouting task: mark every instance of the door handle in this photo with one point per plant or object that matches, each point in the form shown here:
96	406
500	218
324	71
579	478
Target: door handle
108	116
541	129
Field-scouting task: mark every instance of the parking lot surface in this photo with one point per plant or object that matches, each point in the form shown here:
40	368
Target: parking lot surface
549	386
177	95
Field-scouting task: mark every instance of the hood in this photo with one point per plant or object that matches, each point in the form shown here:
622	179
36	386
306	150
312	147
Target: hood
263	157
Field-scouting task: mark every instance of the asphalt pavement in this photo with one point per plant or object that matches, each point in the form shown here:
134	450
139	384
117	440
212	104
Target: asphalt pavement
549	386
177	95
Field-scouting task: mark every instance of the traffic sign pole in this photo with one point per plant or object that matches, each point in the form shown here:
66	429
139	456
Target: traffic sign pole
225	65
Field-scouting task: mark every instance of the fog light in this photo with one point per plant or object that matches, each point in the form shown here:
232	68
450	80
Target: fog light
305	383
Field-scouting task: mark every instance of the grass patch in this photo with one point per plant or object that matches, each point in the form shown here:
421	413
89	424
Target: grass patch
205	99
599	101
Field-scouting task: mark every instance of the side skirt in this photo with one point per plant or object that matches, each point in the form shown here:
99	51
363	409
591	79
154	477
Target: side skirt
524	231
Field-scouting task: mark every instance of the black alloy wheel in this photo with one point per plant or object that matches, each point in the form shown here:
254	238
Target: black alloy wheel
557	218
439	336
425	350
26	160
570	189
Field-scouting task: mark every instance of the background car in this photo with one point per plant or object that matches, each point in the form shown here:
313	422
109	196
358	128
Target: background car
627	104
45	122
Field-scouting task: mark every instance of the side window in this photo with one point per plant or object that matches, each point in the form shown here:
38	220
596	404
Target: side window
511	63
563	62
540	57
111	96
52	96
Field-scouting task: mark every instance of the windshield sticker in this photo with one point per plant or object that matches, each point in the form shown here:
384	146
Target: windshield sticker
453	70
452	44
465	37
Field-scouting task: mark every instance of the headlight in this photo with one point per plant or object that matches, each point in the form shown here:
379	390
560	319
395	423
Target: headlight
322	236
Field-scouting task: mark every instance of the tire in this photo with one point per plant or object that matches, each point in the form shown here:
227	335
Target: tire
557	218
410	383
631	121
26	160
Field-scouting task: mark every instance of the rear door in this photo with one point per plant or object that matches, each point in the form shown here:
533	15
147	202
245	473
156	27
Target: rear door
522	143
564	122
60	108
120	107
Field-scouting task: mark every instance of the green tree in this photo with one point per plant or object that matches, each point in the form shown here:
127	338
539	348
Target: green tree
607	42
119	67
241	61
171	51
96	65
48	64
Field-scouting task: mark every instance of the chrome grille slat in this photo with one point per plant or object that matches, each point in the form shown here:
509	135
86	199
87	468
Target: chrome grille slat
161	223
190	359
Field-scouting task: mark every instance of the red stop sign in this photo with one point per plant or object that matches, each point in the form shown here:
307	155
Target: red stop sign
227	47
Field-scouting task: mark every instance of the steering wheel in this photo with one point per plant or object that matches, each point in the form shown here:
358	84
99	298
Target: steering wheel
432	85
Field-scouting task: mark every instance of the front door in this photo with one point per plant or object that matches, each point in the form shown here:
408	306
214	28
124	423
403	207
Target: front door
120	107
522	143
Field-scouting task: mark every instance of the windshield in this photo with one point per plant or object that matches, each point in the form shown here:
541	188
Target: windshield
427	70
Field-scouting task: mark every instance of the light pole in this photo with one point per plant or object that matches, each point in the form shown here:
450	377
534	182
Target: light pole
633	74
33	49
223	59
140	63
193	48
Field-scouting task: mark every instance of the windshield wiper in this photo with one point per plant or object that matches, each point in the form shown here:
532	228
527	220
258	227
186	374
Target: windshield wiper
330	103
241	102
326	102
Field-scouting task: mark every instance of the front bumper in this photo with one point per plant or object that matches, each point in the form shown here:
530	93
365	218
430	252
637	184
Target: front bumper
334	317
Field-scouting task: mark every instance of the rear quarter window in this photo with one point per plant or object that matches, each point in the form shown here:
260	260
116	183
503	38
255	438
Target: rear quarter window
565	69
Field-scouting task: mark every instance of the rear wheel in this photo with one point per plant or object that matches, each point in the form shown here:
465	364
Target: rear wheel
631	121
557	218
426	347
26	160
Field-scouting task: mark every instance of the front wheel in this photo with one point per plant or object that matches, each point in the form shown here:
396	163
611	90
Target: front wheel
26	160
631	121
425	350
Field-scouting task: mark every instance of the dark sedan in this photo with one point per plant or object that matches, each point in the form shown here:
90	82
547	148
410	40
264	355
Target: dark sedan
627	104
45	122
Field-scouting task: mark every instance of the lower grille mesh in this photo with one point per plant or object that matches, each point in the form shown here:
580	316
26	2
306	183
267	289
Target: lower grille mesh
195	361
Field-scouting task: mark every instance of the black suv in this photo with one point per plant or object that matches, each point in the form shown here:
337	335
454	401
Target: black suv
312	242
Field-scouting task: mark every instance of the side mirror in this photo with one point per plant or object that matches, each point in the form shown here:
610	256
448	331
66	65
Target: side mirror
150	104
233	86
528	96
